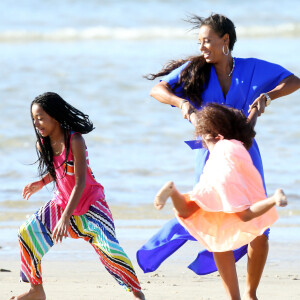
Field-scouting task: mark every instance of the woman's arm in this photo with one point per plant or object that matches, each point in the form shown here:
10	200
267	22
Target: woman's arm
163	93
287	86
80	165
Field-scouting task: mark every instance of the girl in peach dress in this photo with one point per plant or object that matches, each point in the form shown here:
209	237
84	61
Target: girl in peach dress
228	208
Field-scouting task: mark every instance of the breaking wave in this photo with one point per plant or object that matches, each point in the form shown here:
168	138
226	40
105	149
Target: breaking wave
123	33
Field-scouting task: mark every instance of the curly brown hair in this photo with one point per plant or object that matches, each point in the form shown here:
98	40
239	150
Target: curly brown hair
229	122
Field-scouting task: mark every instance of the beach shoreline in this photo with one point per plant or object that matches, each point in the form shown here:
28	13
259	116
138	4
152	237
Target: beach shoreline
95	55
72	271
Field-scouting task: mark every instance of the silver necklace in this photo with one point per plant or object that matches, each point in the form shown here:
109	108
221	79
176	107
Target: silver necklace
233	65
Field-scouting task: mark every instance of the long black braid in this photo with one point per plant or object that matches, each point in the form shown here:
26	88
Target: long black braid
69	118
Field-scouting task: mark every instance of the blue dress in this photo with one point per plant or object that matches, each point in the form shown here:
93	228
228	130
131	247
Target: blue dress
250	78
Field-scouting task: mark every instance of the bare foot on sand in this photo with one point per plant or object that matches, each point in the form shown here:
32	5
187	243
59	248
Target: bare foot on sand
280	198
163	195
36	292
138	295
249	297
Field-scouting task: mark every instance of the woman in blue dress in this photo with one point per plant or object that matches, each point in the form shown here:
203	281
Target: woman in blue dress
216	76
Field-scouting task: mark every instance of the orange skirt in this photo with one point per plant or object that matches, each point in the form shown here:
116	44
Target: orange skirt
229	184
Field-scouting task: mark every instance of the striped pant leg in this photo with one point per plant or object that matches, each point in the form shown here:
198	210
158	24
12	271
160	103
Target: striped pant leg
97	227
35	239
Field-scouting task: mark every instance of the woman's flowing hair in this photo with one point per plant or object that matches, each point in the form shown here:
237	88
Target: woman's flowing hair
69	118
231	123
195	76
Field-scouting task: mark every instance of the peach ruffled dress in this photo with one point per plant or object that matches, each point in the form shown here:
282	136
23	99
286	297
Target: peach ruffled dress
229	184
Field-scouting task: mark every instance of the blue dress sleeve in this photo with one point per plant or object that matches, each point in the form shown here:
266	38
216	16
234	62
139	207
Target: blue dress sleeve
267	75
173	78
251	77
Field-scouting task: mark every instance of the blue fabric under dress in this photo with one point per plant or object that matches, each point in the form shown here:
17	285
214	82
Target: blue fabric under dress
250	78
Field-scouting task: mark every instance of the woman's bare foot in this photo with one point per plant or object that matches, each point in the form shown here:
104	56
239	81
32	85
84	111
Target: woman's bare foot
163	195
280	198
36	292
138	295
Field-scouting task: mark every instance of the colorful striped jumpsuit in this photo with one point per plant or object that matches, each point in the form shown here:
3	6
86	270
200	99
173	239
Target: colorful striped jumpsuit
91	221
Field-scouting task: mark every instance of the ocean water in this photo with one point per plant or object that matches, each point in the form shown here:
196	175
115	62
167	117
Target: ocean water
94	54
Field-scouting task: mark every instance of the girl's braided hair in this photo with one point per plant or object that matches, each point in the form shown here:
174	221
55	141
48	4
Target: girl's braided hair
69	118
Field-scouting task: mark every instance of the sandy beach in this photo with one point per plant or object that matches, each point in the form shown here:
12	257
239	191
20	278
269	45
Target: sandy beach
95	54
79	275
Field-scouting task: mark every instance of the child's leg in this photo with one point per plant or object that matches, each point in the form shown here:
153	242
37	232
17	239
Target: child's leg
183	207
35	241
97	228
261	207
257	255
226	266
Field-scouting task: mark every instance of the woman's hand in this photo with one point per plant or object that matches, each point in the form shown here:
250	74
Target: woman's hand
187	110
32	188
61	229
260	103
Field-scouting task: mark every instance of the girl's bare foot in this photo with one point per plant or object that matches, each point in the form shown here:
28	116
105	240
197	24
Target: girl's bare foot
280	198
138	295
36	292
163	195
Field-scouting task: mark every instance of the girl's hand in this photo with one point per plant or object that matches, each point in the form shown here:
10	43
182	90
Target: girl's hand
78	149
260	103
32	188
61	229
193	118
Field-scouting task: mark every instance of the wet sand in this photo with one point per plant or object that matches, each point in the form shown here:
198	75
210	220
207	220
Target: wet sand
72	271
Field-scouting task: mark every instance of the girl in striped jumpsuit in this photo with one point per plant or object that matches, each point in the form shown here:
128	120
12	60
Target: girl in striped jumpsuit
78	209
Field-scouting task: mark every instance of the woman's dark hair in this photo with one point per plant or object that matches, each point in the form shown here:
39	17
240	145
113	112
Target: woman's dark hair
196	75
231	123
218	23
69	118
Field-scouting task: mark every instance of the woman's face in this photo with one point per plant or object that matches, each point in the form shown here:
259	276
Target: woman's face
211	44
